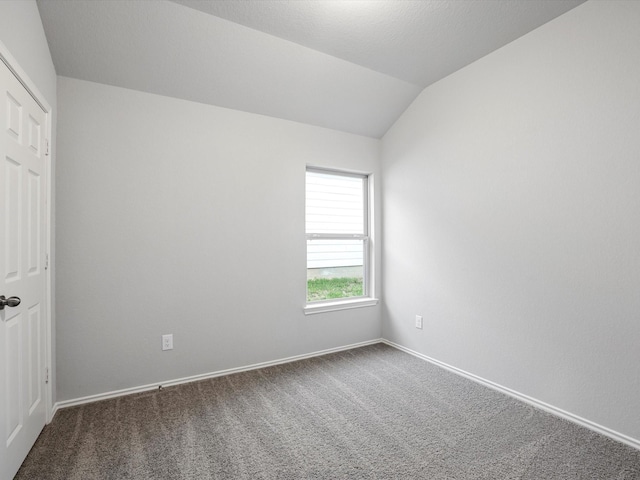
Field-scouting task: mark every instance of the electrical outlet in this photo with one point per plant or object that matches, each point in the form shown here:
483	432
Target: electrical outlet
167	342
419	322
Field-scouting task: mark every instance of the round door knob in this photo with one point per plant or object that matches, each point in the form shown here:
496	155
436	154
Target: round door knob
9	302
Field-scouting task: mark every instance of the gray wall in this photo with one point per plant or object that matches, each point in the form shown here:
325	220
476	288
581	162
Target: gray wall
177	217
511	207
511	223
22	33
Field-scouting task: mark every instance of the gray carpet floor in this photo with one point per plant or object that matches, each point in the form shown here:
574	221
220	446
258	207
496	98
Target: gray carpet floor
368	413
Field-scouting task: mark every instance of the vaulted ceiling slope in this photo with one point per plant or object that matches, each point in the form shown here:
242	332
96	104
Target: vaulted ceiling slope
350	65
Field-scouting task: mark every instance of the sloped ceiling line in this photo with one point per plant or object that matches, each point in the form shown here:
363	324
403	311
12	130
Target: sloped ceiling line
349	65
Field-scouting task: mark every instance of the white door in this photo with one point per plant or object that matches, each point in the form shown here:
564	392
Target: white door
22	272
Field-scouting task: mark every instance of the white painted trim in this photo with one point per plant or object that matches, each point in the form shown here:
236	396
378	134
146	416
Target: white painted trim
49	275
632	442
620	437
313	308
23	78
205	376
10	61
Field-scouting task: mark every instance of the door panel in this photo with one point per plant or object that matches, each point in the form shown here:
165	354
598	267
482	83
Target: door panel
12	359
35	373
12	194
34	222
22	274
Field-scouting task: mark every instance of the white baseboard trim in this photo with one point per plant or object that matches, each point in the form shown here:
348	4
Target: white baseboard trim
632	442
54	410
204	376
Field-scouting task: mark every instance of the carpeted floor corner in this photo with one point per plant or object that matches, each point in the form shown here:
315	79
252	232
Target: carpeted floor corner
368	413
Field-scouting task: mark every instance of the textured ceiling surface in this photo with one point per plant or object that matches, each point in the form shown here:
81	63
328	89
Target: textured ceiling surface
350	65
419	41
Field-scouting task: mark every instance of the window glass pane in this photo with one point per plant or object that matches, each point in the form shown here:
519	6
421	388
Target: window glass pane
335	269
334	203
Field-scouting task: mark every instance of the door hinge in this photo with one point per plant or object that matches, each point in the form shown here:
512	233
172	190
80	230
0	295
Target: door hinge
46	375
46	261
46	142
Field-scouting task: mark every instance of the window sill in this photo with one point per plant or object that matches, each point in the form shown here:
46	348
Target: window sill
314	308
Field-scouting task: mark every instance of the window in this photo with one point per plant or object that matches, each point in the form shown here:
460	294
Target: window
338	239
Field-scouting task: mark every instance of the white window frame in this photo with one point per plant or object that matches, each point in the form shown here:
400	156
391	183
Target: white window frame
367	299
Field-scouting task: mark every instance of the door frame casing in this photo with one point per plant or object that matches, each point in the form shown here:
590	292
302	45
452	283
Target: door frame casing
32	89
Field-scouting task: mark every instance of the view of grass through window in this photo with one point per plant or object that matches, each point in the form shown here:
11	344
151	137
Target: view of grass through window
328	288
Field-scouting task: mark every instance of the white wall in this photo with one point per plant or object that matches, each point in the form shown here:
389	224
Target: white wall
511	209
177	217
22	34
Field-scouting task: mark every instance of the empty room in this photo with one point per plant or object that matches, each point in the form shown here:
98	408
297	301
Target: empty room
320	239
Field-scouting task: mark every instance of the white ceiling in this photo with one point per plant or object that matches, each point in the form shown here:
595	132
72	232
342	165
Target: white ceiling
350	65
